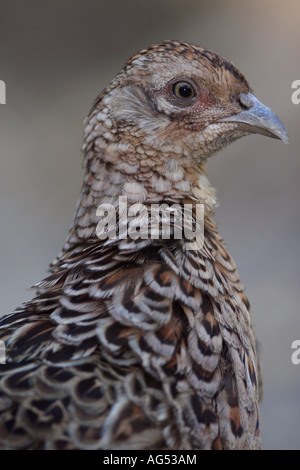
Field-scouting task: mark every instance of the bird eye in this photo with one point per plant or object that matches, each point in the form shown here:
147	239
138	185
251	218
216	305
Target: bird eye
183	90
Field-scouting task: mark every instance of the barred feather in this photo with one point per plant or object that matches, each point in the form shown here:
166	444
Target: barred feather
140	343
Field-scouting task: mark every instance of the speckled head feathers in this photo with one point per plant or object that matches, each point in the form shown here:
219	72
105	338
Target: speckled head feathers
169	48
142	107
152	128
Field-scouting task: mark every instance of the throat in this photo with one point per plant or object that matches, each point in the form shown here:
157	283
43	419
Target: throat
141	180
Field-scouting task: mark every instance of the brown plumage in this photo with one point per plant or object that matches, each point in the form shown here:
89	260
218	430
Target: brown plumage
143	344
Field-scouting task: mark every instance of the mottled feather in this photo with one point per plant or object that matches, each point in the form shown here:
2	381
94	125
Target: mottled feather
140	344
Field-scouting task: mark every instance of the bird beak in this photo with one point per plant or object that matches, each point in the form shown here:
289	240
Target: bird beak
258	119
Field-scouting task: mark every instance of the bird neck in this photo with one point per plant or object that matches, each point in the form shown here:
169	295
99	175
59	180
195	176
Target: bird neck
123	168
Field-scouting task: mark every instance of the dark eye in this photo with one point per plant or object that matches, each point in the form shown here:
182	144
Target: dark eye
183	90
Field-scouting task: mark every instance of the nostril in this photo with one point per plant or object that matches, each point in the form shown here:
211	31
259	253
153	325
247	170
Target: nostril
245	100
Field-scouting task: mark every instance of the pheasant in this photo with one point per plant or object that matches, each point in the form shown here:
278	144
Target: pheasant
143	342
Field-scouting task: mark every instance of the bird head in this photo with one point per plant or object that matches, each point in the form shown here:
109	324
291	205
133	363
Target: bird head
150	131
182	99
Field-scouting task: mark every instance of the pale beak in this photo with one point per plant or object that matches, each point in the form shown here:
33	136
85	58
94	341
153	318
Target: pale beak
258	119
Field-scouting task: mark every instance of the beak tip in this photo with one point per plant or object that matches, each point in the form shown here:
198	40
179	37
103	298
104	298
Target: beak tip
280	133
285	138
259	119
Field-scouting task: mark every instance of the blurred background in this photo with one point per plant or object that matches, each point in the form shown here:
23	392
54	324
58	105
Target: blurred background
56	56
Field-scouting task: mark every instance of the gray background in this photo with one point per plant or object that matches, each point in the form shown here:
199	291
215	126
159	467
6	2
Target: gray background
56	56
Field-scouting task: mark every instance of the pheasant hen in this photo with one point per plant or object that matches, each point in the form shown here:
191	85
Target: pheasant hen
143	342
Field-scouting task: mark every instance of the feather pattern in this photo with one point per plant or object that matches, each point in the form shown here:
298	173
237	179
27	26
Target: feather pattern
140	343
